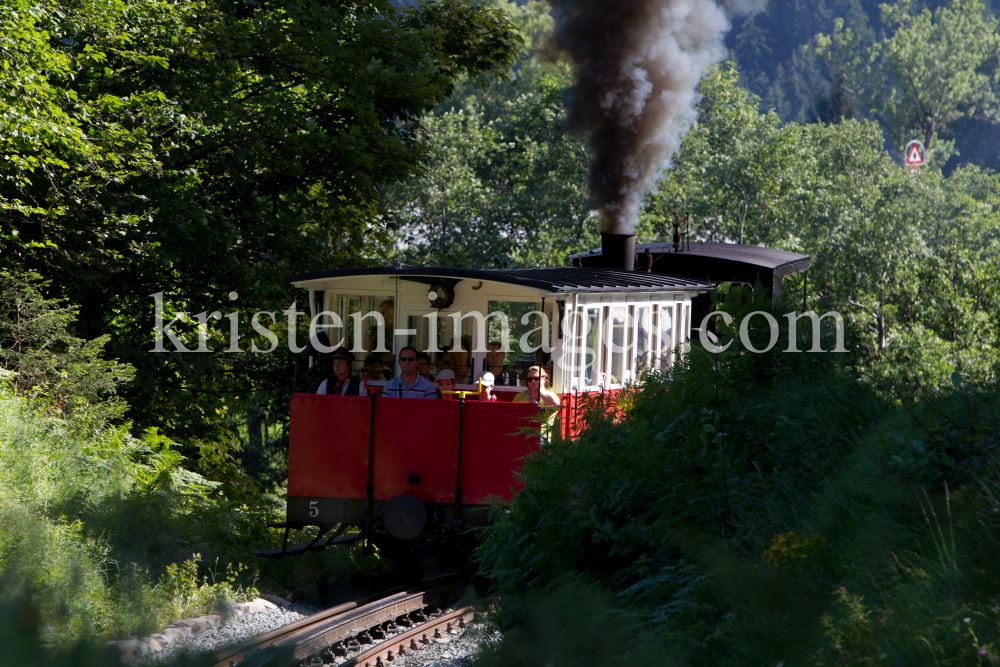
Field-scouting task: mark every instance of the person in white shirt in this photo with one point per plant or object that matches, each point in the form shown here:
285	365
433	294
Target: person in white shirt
342	382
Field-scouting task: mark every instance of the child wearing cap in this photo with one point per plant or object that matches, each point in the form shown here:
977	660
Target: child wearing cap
445	381
486	393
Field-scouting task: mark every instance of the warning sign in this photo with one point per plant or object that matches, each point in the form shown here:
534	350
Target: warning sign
914	155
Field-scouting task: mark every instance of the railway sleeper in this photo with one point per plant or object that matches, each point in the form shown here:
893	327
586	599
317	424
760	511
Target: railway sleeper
389	646
345	629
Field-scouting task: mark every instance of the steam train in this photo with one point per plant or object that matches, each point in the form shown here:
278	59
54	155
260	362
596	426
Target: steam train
403	472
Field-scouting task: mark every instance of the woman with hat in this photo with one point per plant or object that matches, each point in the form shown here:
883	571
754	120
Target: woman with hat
537	380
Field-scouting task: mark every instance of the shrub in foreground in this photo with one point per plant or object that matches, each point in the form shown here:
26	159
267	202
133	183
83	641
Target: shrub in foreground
754	510
70	538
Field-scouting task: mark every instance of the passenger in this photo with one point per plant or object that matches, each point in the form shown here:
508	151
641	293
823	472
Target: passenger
388	311
387	365
409	384
442	361
342	382
445	382
424	366
374	369
458	361
494	363
537	380
486	393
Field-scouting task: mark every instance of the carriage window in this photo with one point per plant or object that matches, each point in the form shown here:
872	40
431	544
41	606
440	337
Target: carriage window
666	335
445	357
360	335
576	328
517	361
617	346
630	350
686	327
591	350
644	340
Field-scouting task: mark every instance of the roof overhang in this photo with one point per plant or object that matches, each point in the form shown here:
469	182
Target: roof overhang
555	281
716	262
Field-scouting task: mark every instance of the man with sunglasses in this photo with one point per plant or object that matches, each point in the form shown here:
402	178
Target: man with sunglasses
409	384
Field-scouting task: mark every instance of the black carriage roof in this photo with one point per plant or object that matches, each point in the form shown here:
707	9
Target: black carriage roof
780	261
564	280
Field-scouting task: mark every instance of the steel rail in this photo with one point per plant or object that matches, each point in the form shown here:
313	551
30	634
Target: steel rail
233	655
402	644
298	640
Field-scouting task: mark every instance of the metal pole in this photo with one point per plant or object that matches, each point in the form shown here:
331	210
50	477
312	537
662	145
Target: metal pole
370	487
805	290
369	519
457	522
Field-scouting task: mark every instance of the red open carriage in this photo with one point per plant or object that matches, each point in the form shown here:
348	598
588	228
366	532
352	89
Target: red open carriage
402	470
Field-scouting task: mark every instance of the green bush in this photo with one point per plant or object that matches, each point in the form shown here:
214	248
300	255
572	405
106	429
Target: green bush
717	520
108	536
71	505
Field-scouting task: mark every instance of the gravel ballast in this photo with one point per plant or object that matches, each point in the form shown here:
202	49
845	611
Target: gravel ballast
230	632
456	650
214	633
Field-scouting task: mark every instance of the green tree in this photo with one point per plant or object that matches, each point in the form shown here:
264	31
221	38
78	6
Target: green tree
215	147
931	71
61	148
536	57
909	261
733	166
42	358
865	229
505	185
510	191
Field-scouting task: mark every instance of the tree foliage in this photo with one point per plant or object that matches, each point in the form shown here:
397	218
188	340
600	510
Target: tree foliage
930	71
731	169
43	358
209	147
502	184
501	191
908	259
755	509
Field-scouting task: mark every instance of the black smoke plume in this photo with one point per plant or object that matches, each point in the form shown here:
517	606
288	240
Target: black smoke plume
638	63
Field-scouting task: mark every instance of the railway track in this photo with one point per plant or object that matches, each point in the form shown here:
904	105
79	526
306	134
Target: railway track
370	632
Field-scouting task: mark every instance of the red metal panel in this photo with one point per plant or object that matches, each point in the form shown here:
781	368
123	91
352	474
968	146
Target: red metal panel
416	436
328	446
492	447
574	408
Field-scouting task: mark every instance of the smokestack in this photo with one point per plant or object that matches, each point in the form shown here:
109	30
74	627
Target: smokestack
618	251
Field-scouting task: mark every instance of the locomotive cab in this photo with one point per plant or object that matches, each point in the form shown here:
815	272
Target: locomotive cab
394	471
